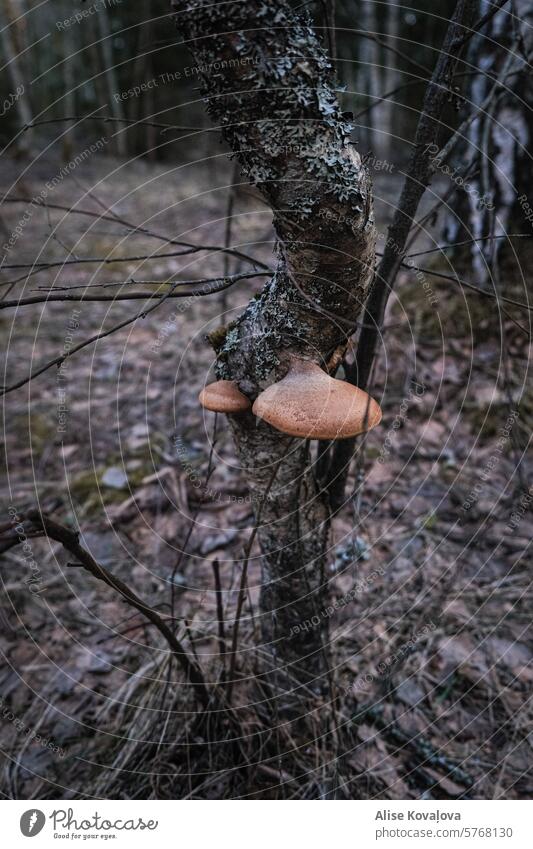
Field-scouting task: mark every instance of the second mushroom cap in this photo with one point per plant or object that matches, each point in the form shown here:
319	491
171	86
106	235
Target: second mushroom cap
224	396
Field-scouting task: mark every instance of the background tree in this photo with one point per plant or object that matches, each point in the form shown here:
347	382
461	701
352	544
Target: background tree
493	156
12	35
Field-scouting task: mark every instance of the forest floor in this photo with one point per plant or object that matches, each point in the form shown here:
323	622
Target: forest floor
432	669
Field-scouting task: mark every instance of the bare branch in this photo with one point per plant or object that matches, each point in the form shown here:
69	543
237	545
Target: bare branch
455	279
137	228
100	260
51	297
110	119
35	524
382	43
470	242
57	361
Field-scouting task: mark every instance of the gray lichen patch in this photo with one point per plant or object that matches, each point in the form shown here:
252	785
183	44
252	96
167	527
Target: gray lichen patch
269	85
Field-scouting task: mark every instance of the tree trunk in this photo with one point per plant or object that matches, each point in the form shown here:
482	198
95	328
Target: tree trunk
493	155
369	71
117	111
271	90
391	79
67	46
16	75
142	109
418	176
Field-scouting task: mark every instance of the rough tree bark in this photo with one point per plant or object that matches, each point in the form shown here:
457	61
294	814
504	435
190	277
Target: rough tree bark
270	87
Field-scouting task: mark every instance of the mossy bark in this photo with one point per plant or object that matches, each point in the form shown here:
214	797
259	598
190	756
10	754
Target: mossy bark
269	86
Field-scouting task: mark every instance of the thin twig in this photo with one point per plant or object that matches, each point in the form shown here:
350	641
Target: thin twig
220	612
145	231
57	361
110	119
51	297
101	260
455	279
470	242
42	525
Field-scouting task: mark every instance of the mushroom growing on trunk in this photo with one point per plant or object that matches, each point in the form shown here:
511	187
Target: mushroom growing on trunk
224	396
310	404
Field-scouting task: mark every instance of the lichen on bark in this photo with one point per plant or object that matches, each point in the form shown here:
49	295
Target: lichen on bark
269	85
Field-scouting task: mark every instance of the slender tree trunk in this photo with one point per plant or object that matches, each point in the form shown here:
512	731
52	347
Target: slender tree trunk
495	151
228	260
418	177
369	74
16	74
67	46
272	94
387	109
117	111
145	136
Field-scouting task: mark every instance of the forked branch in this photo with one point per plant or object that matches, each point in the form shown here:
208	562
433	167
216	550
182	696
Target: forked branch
36	524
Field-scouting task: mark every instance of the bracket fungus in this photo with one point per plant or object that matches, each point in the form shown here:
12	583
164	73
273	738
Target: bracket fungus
310	404
224	396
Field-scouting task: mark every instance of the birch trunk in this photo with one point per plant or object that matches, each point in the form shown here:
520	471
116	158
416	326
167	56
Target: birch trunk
494	154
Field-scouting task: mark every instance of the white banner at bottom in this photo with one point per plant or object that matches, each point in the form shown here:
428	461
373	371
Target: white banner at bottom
267	824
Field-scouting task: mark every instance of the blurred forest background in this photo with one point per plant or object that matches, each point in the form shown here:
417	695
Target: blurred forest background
114	182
